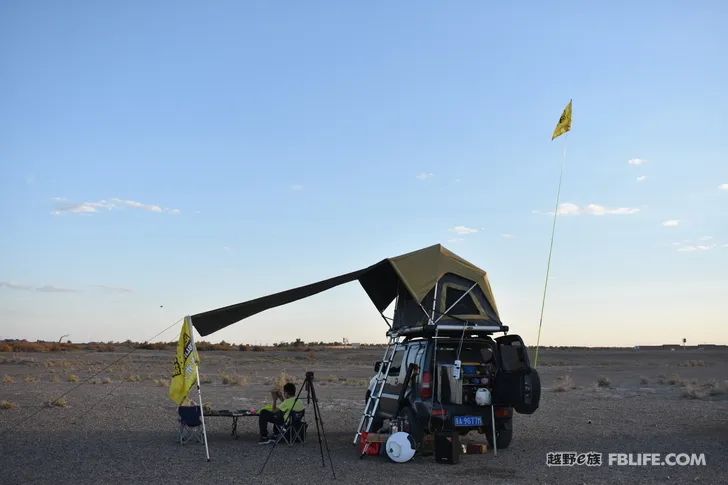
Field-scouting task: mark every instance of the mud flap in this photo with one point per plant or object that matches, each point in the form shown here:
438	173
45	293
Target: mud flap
517	384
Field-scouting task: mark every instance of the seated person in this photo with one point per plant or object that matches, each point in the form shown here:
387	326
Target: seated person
278	414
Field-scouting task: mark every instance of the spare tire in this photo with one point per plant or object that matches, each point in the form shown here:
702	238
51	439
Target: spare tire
530	392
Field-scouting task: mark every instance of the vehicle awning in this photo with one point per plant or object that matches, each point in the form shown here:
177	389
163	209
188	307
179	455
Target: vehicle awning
417	272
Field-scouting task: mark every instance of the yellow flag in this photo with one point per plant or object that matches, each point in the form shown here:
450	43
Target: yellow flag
564	123
185	371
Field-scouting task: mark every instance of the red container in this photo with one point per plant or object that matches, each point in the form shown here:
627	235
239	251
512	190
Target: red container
374	448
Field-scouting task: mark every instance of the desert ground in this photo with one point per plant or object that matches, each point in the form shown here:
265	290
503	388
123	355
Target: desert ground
121	427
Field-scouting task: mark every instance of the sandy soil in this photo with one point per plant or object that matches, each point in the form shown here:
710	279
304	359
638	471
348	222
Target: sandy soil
122	428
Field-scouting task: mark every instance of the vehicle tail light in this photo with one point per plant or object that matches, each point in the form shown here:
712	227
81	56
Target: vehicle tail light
426	387
504	412
439	412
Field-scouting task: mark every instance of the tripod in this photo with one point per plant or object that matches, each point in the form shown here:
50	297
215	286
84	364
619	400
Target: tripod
310	397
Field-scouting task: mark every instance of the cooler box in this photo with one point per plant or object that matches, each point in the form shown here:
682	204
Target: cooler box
376	443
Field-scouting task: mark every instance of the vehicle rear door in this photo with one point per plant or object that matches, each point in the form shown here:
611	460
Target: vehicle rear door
517	384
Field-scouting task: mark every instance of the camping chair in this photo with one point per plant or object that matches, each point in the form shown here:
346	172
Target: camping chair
190	424
294	429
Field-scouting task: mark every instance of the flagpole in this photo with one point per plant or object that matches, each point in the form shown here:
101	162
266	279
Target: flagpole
199	393
551	248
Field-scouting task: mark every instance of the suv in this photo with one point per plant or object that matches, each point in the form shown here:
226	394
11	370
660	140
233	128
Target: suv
439	401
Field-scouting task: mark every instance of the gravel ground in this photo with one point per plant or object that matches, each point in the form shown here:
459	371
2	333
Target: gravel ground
123	428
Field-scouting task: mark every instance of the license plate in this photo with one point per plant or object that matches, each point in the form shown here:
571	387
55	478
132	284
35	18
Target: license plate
468	421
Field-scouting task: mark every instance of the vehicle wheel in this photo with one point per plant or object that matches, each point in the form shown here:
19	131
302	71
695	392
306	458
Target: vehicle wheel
503	434
412	426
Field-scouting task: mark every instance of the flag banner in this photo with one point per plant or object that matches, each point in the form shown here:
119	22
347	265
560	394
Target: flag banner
184	375
564	123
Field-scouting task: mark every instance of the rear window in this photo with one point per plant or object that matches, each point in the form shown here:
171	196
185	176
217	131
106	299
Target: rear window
470	352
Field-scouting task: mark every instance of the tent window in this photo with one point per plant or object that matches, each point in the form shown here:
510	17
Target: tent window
466	306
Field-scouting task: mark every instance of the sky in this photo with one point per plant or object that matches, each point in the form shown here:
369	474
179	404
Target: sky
159	159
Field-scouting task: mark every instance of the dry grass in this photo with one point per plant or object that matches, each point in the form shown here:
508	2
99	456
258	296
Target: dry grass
106	380
283	379
694	390
676	380
564	383
693	363
205	380
234	380
72	378
603	381
8	379
58	403
161	382
31	379
133	378
7	405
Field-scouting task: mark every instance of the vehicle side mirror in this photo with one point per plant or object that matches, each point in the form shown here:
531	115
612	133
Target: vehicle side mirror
377	365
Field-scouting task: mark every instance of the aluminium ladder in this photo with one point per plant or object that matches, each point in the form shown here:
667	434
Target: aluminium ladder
370	409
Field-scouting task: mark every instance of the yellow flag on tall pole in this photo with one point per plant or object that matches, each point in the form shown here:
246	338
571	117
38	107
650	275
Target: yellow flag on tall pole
185	373
564	123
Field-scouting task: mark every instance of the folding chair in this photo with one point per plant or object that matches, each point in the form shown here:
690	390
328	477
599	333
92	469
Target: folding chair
294	429
190	424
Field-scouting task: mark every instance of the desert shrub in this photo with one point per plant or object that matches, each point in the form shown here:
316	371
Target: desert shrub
693	363
6	348
30	379
7	404
644	381
58	403
676	380
603	381
205	380
72	378
161	382
564	383
282	379
694	392
8	379
258	348
106	380
717	388
133	378
234	380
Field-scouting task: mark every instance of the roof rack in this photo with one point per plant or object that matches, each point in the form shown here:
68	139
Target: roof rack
431	330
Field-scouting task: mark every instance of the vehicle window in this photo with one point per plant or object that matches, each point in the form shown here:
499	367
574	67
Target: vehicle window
397	362
412	356
466	306
470	352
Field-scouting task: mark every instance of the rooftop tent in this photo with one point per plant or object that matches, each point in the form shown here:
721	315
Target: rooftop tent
411	276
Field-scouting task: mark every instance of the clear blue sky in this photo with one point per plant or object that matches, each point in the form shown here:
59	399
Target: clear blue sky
194	155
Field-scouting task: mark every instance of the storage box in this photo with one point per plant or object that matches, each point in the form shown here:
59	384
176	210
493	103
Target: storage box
476	448
447	448
376	443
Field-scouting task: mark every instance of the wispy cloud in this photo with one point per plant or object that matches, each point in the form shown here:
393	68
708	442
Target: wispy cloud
641	178
723	187
113	289
424	175
463	230
671	223
571	209
297	187
507	236
64	206
636	161
43	289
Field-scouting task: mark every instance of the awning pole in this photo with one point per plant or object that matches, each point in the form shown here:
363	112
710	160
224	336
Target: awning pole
199	393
